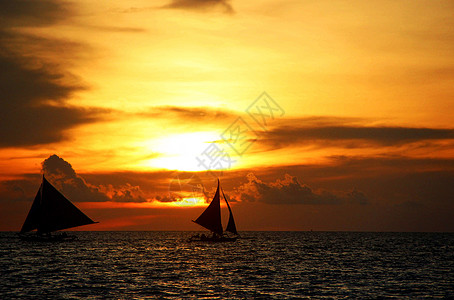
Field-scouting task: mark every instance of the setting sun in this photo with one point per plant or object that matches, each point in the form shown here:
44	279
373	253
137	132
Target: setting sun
179	151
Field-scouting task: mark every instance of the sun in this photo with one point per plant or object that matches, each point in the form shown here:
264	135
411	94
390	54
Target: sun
180	151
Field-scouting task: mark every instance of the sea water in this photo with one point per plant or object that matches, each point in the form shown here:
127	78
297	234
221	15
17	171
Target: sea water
265	265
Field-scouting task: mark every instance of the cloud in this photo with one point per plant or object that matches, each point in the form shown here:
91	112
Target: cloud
340	179
34	89
62	175
305	131
123	193
386	181
197	114
290	191
201	5
166	199
115	187
400	193
32	13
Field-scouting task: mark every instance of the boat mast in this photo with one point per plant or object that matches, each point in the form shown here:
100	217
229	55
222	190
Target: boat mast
211	217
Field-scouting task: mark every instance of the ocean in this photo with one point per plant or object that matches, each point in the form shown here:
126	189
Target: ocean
261	265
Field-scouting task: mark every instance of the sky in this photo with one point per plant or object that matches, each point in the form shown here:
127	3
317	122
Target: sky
314	115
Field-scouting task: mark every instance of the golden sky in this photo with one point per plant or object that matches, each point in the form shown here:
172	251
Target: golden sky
114	100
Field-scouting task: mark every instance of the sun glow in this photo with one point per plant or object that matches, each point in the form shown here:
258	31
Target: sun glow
193	201
183	202
180	151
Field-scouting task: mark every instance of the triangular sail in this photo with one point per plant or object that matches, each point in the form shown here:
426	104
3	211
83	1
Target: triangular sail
51	211
32	220
231	227
211	217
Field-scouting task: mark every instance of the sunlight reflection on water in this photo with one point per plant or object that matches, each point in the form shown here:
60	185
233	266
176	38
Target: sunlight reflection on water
262	265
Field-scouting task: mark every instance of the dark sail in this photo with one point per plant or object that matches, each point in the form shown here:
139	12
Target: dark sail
231	227
51	211
32	220
211	217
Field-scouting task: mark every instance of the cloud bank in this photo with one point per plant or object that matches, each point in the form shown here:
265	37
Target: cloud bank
340	132
349	193
62	175
290	191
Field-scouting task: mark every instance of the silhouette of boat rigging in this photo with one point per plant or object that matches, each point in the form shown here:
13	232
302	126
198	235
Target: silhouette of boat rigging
50	212
211	220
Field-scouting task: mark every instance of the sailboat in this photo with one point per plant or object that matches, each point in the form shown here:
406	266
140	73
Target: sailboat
211	220
50	212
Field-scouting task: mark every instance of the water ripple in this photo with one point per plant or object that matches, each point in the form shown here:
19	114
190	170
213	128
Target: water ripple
271	265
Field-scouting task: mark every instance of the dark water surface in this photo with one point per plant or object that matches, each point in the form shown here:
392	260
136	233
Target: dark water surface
266	265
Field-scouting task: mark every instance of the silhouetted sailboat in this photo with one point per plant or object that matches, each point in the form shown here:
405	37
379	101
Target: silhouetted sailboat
211	220
50	212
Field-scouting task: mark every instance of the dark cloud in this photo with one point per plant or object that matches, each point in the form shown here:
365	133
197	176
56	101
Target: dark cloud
156	182
342	180
189	113
124	193
34	90
161	185
114	187
291	191
32	13
62	175
224	5
349	136
165	199
386	181
389	180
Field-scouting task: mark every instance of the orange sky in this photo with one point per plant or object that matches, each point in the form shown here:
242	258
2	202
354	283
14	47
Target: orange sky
128	96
